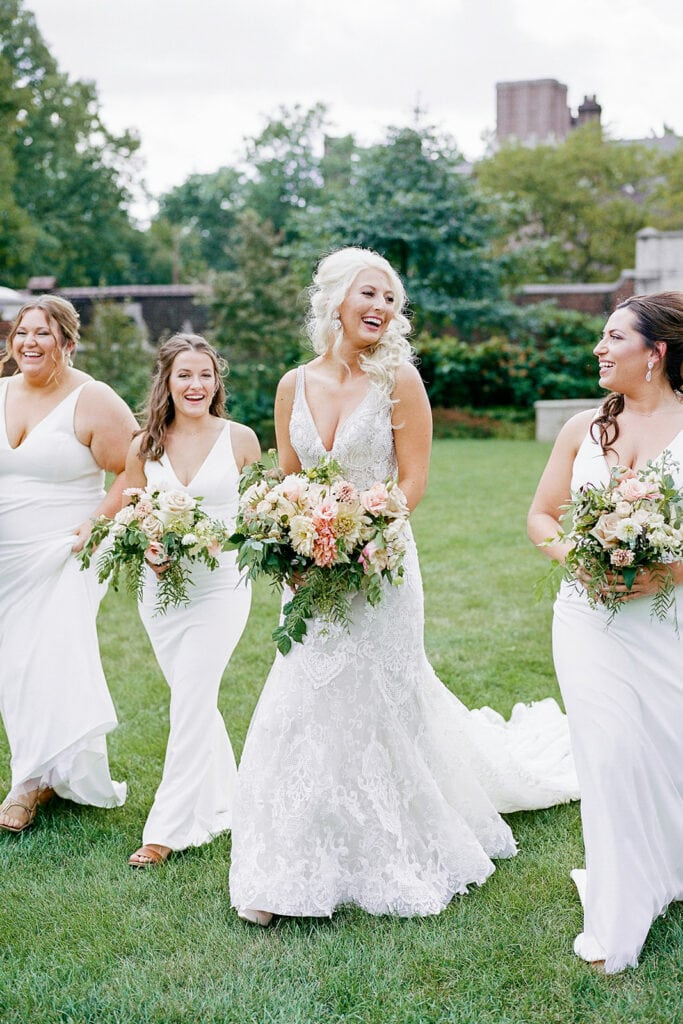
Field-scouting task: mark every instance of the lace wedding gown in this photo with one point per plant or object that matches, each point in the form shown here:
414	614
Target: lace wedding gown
193	644
363	779
53	695
623	689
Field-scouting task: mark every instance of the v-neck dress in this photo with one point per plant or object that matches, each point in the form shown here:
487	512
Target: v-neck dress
53	695
363	779
622	686
193	644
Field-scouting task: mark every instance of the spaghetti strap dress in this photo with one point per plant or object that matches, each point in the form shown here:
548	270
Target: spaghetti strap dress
193	644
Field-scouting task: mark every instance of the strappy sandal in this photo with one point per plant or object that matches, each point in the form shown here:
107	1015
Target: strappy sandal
30	810
153	855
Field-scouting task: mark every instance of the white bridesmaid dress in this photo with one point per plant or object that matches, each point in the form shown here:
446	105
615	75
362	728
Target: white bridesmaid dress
364	780
53	695
622	686
193	644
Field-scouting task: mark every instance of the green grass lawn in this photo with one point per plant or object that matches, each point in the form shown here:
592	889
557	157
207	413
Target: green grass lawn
85	939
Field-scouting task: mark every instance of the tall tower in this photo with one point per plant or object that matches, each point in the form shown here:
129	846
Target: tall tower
532	111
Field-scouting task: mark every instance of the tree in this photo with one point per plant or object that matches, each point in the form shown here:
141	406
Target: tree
202	213
408	199
283	166
71	175
113	350
667	202
254	322
570	212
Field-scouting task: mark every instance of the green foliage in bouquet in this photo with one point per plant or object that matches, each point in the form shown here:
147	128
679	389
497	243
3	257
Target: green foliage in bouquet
164	528
633	522
314	532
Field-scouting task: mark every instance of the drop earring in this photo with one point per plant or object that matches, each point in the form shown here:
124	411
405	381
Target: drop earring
648	375
336	321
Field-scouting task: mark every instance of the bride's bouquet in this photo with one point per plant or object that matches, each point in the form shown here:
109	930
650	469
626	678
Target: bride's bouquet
317	533
164	528
634	521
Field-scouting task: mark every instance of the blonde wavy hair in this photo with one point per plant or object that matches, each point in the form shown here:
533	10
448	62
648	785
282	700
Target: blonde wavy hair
333	278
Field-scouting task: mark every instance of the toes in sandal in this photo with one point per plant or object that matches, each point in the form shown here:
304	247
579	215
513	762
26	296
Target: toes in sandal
148	856
30	810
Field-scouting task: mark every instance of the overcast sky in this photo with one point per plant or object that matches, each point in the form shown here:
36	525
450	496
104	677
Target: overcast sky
193	77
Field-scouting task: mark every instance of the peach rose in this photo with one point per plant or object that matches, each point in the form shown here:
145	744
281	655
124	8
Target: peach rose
605	530
375	499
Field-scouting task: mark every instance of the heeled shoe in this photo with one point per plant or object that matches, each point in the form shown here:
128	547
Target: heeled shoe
261	917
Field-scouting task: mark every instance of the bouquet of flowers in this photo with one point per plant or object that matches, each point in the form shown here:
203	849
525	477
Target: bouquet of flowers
165	528
633	521
319	534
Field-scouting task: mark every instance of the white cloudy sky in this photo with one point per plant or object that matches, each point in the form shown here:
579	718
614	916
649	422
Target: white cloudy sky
193	77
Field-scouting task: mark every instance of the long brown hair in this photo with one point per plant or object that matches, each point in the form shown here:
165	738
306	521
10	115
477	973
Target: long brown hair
657	317
159	410
59	313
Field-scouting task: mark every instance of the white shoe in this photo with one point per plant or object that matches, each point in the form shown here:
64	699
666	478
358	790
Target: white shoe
261	917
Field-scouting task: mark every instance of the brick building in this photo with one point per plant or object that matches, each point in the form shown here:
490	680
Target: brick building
537	111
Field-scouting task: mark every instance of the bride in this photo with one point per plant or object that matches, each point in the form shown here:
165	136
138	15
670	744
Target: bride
363	779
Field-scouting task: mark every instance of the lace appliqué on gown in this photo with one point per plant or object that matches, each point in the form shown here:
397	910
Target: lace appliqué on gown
361	779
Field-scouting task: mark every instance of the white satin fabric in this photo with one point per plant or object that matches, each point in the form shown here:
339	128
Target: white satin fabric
193	645
622	686
53	695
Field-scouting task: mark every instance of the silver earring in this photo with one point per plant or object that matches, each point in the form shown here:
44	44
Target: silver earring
336	321
648	375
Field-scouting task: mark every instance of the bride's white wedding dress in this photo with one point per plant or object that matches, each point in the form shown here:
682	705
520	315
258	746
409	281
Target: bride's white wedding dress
53	695
363	779
622	685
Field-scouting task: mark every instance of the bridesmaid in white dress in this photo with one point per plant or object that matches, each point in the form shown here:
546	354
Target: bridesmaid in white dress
363	779
59	431
623	685
188	444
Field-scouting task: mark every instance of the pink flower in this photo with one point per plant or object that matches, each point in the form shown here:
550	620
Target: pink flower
214	548
632	489
143	508
292	487
326	511
375	499
621	558
156	553
344	491
132	492
324	545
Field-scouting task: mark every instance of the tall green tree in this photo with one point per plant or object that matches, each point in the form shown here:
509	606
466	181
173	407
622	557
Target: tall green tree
283	166
409	199
113	350
202	215
71	175
256	322
570	212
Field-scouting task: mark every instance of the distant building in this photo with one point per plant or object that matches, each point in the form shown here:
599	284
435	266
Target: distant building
537	111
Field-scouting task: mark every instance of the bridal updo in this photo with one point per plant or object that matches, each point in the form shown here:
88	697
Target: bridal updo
331	283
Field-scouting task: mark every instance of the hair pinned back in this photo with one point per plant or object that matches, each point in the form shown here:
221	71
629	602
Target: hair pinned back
657	317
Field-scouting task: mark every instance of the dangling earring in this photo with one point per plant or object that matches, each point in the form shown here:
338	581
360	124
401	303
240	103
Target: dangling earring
336	321
648	375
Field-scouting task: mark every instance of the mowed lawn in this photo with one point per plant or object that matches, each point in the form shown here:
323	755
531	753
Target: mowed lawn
85	939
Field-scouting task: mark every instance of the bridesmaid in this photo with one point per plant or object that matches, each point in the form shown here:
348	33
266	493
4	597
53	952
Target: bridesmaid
622	683
188	443
59	431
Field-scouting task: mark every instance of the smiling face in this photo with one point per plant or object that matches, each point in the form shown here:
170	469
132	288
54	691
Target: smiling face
368	308
38	346
622	353
192	383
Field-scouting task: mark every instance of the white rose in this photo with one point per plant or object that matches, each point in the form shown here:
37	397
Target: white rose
152	527
176	502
